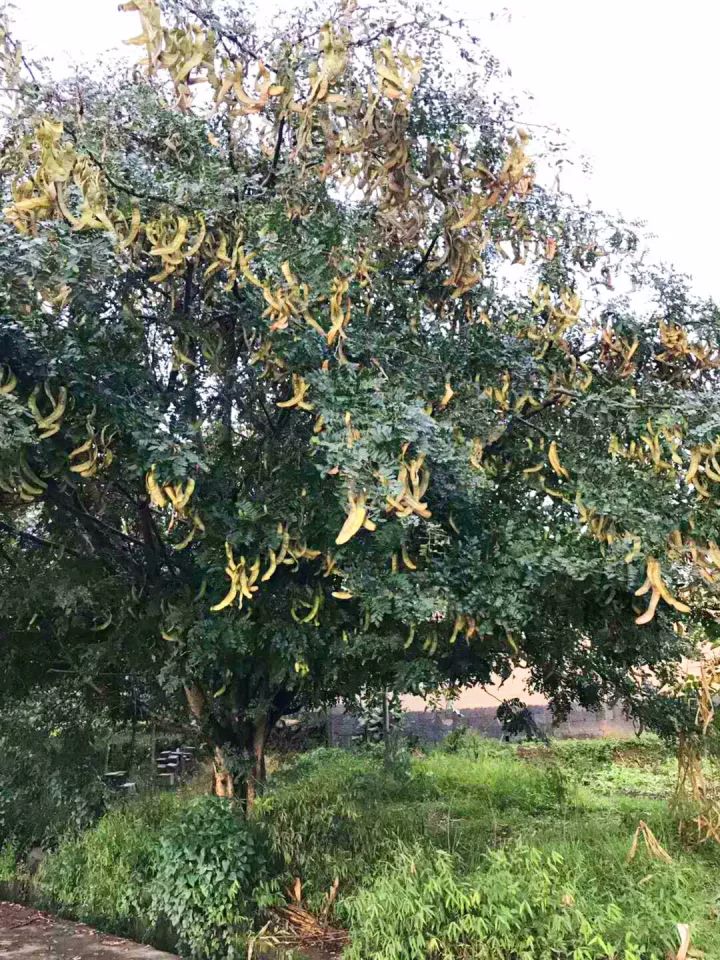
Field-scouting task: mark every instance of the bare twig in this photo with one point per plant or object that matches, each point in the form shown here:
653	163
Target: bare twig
426	256
222	32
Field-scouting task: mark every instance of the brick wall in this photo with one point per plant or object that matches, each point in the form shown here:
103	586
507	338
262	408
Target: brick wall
433	725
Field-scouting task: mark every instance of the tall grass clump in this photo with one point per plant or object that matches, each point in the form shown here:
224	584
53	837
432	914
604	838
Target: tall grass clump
521	902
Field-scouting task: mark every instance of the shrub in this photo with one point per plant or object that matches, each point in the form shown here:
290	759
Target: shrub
426	855
522	903
211	878
166	862
102	876
8	864
52	749
334	814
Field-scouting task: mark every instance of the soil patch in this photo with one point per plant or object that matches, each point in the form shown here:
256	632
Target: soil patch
537	754
27	934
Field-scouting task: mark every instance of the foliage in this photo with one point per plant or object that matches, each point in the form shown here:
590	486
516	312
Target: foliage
103	875
467	742
522	903
468	808
516	720
298	734
498	784
8	863
369	710
52	753
166	862
589	755
494	839
210	879
642	766
460	808
306	384
325	817
335	815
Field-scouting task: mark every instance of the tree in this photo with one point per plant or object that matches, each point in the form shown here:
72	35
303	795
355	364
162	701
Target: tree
308	385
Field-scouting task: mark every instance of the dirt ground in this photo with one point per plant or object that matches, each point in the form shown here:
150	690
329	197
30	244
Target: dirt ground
27	934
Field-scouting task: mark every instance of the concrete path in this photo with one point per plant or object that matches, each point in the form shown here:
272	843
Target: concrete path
27	934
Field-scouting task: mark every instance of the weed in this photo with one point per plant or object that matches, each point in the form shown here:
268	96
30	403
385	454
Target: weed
211	879
333	814
521	902
477	852
102	876
8	864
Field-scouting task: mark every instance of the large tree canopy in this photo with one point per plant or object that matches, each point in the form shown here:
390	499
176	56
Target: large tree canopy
308	384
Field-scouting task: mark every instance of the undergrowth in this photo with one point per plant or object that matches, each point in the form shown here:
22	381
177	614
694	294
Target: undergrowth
102	875
479	851
519	902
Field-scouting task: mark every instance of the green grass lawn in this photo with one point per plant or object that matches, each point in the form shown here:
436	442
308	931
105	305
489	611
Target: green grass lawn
474	851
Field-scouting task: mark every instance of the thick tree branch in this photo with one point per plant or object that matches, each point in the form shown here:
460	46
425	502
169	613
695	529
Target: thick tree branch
270	178
33	538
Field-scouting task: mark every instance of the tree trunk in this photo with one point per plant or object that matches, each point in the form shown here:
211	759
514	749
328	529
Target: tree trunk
223	780
223	784
234	745
257	773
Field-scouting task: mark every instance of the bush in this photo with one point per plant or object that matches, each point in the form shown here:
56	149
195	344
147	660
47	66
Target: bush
521	903
211	878
52	749
497	782
334	814
8	864
166	863
103	875
426	854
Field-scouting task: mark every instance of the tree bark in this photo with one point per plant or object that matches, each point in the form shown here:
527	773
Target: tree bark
223	780
249	746
223	784
238	744
258	772
246	741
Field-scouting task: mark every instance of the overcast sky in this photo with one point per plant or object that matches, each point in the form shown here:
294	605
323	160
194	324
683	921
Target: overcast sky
634	83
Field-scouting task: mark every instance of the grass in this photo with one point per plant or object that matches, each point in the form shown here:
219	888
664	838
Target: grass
479	851
577	801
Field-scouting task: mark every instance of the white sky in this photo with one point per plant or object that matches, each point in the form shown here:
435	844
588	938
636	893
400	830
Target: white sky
634	84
